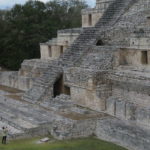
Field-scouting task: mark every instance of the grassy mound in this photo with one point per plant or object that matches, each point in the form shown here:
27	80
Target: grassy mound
79	144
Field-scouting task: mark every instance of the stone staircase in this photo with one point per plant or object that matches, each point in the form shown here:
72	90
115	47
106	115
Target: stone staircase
43	86
89	35
114	12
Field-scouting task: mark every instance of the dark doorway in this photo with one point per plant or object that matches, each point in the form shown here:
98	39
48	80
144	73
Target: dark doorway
66	90
90	19
50	51
99	43
61	49
144	57
60	88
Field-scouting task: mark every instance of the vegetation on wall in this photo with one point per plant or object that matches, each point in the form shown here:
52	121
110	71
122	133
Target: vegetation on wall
25	26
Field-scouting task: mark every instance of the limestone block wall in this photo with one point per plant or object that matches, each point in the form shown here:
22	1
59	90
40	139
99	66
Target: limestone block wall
54	48
67	36
5	77
140	43
132	96
45	51
87	98
88	83
123	133
131	85
12	79
52	51
68	128
130	101
134	57
130	57
23	79
55	51
88	89
129	112
90	17
103	4
33	68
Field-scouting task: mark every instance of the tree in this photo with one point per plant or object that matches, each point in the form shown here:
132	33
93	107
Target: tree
25	26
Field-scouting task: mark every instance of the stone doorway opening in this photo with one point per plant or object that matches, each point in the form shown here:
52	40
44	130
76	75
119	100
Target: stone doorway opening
99	43
61	49
90	19
60	88
144	57
50	51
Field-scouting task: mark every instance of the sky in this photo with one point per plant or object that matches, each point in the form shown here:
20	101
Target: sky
9	3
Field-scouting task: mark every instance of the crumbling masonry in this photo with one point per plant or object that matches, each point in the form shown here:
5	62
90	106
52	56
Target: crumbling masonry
89	81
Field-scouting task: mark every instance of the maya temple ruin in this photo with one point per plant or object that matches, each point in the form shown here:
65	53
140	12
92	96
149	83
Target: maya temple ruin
93	80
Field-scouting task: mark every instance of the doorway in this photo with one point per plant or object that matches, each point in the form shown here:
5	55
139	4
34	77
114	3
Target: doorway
60	88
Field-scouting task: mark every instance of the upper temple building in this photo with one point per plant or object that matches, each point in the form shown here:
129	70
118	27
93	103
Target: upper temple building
53	48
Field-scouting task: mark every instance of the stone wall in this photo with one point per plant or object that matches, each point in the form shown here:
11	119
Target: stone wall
45	51
54	48
90	17
23	79
133	57
103	4
33	68
12	79
123	133
89	88
67	129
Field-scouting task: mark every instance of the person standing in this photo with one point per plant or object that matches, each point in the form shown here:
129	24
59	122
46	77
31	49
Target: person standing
4	133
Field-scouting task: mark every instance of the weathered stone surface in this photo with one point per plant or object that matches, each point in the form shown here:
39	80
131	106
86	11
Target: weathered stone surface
128	135
106	69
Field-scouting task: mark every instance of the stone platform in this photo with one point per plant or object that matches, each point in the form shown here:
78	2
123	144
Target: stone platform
59	117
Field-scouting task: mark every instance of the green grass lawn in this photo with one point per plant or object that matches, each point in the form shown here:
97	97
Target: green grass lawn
79	144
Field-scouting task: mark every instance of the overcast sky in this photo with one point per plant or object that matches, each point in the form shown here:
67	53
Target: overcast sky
9	3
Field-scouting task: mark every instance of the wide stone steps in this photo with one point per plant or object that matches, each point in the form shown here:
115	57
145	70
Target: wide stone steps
21	117
15	122
27	120
25	113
